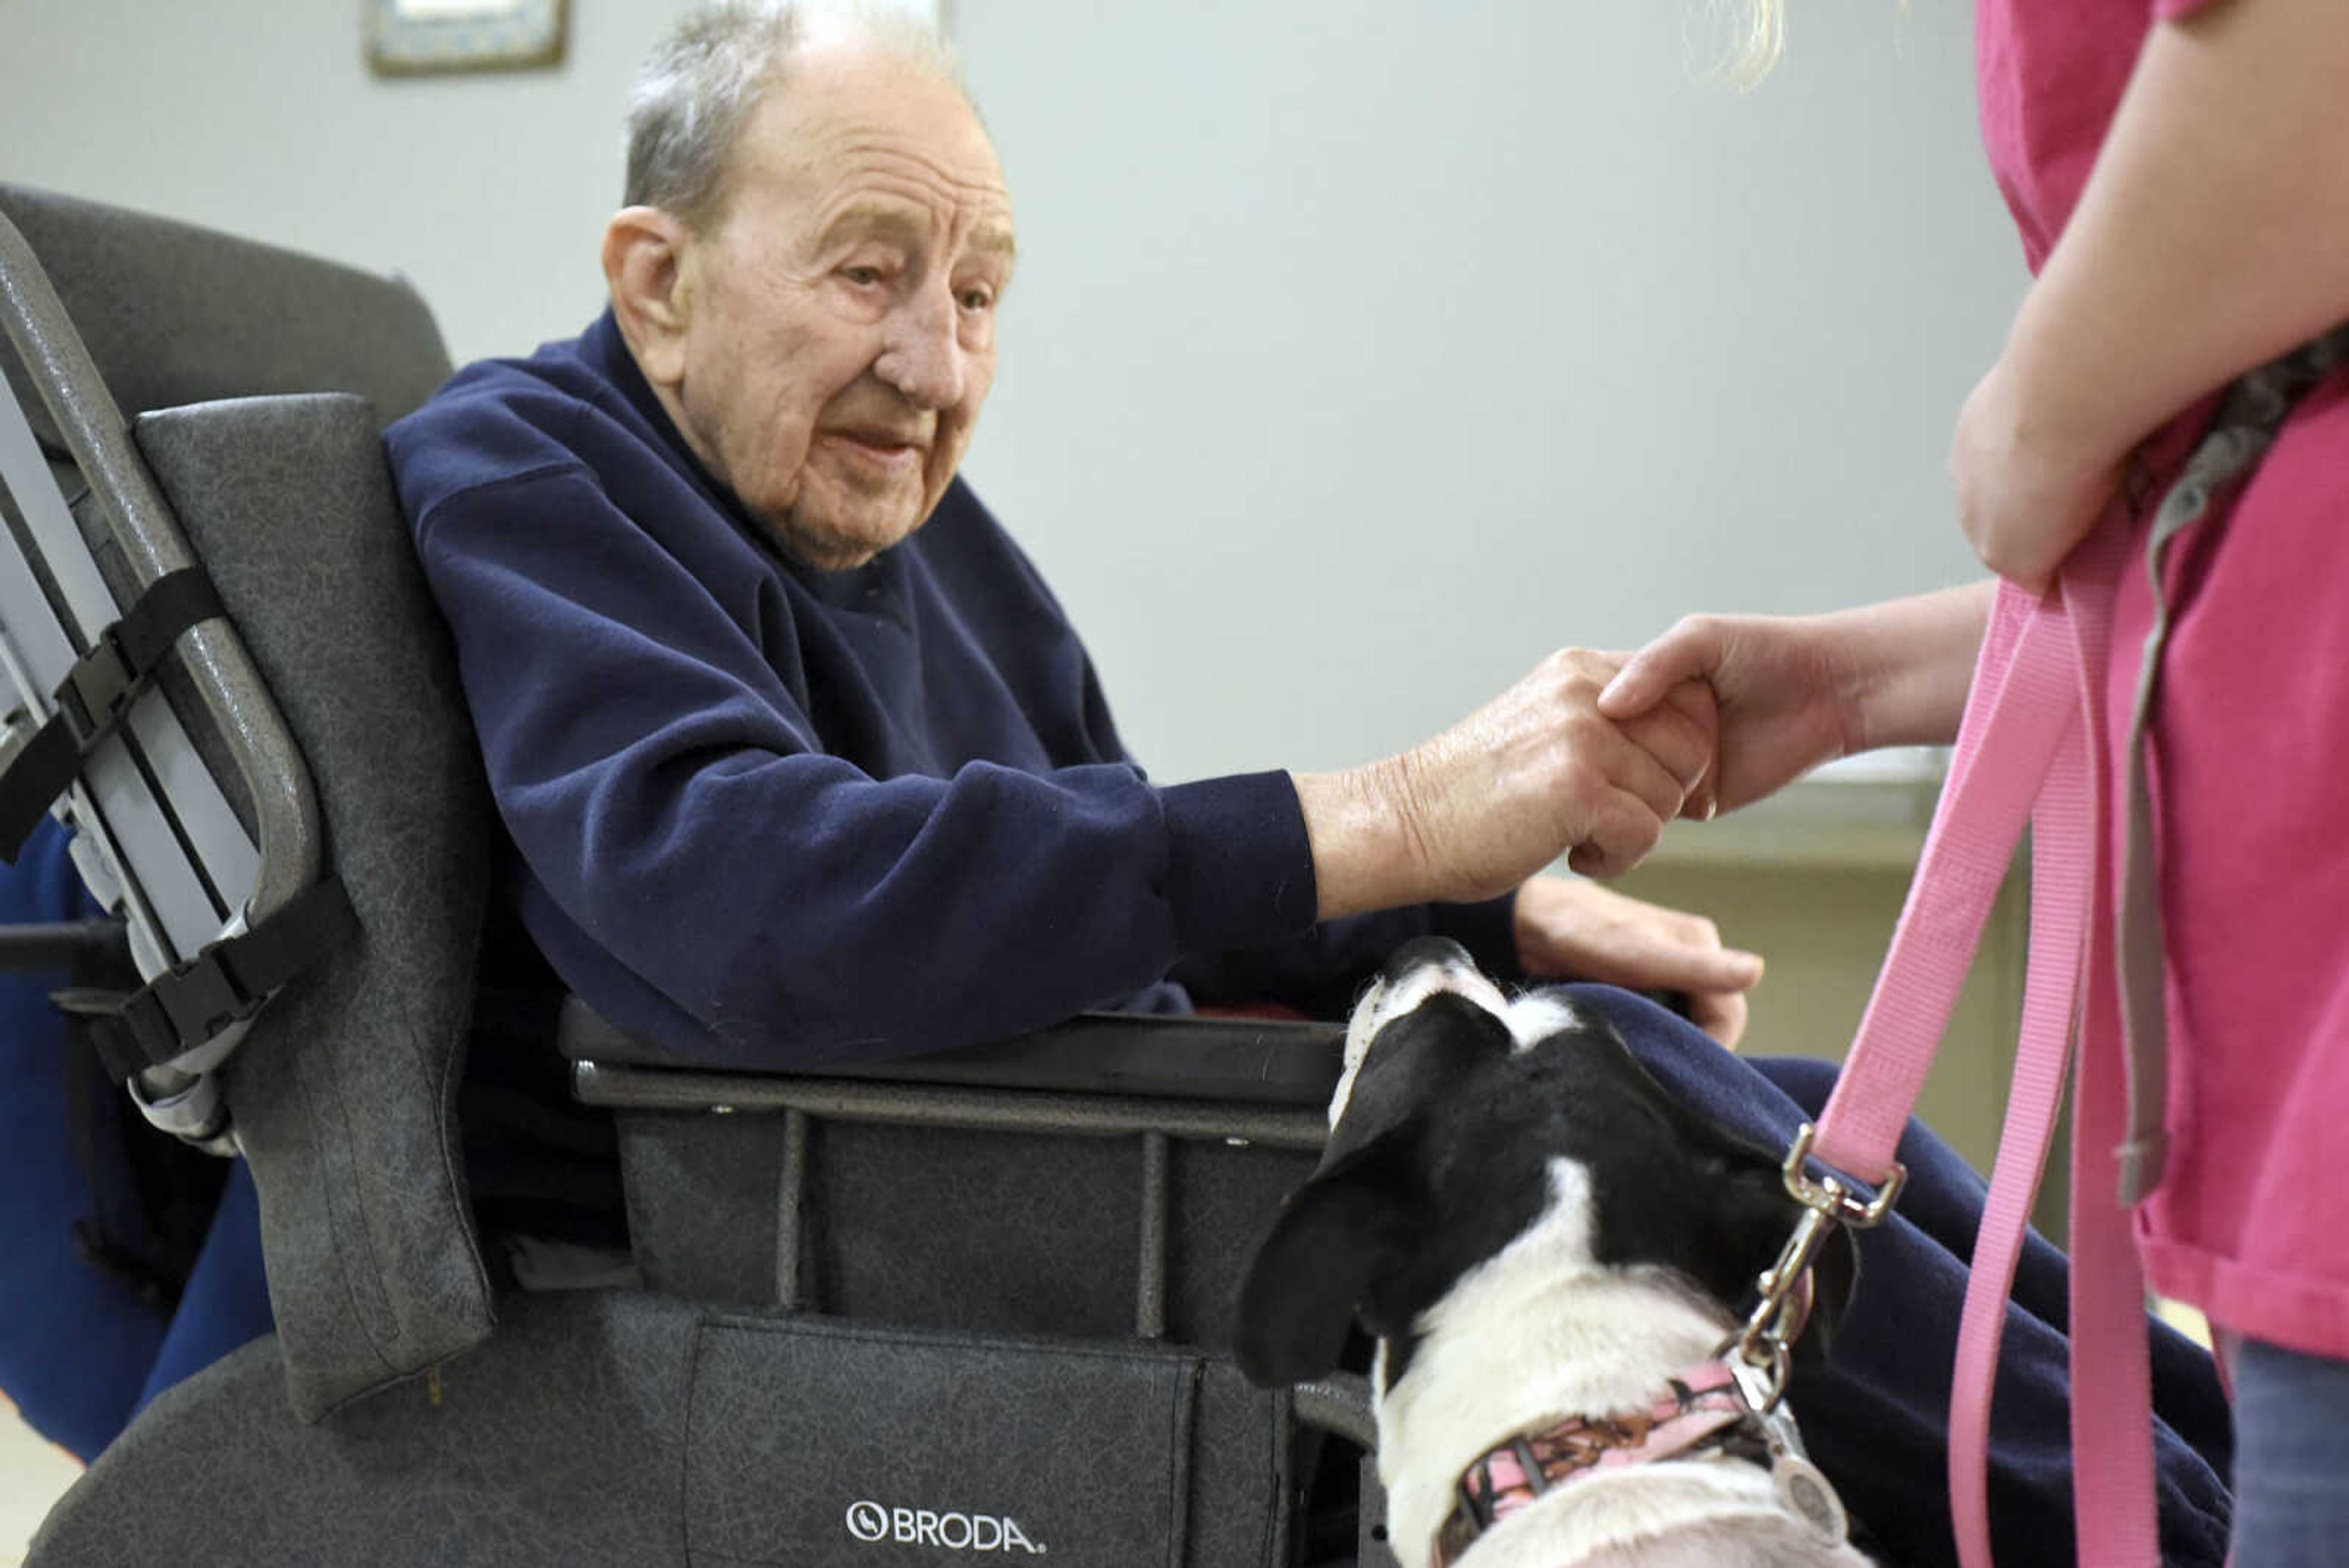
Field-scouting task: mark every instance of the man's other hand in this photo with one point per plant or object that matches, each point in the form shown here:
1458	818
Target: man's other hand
1578	930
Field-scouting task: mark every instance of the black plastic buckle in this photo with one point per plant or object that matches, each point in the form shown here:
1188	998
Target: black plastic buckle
202	997
178	1011
97	690
165	1019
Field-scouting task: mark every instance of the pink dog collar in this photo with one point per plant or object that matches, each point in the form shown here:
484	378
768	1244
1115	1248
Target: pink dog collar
1703	1409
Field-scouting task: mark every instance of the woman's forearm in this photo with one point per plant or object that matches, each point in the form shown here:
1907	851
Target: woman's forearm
1907	664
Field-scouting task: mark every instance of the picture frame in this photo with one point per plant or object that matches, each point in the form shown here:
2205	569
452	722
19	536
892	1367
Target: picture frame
419	37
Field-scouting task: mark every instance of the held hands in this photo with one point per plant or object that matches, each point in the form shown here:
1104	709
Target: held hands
1534	773
1777	682
1537	773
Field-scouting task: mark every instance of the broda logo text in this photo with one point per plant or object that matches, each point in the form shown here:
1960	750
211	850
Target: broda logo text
872	1523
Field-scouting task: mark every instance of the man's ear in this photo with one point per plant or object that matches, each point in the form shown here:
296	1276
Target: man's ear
648	266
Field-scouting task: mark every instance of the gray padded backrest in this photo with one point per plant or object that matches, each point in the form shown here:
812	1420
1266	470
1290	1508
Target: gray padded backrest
344	1090
173	313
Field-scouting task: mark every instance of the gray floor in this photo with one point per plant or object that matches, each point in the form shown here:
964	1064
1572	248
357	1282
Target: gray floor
32	1474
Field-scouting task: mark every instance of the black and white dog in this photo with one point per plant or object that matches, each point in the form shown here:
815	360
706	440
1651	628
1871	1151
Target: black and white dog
1552	1253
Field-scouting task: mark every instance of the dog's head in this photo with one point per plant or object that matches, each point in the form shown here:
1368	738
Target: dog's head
1456	1107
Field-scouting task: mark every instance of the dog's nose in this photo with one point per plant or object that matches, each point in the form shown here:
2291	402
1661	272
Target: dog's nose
1425	952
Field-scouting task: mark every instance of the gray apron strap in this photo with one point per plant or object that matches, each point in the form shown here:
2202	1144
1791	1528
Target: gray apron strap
2241	433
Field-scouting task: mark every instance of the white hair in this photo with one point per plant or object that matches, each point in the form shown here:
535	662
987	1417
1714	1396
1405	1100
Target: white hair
697	91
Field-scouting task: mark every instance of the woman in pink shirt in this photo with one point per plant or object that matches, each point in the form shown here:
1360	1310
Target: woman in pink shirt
2179	173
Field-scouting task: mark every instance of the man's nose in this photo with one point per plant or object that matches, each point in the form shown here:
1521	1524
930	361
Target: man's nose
922	353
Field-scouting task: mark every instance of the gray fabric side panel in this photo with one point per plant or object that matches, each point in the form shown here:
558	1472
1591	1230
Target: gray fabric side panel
559	1445
1240	1477
344	1090
827	1445
702	1195
992	1231
175	314
1224	1203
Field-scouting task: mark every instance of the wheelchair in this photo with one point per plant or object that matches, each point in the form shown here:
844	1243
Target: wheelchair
965	1307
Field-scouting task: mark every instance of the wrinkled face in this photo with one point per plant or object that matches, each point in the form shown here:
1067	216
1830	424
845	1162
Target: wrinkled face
842	328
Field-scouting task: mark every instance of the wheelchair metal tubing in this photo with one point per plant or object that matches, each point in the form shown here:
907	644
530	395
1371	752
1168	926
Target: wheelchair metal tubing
120	822
1340	1404
288	856
1150	1291
919	1106
790	1209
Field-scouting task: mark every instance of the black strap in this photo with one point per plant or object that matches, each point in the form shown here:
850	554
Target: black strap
95	694
225	983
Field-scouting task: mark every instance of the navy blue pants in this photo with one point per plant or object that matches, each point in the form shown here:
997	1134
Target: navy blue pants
80	1350
1877	1419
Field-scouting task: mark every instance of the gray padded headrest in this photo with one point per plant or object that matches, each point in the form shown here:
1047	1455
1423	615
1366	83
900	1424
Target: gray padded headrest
175	314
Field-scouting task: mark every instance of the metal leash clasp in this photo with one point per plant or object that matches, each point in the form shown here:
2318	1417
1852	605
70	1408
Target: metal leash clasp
1757	1355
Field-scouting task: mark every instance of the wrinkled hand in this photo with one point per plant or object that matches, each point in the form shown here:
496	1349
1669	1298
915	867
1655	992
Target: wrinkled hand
1578	930
1779	685
1536	771
2023	501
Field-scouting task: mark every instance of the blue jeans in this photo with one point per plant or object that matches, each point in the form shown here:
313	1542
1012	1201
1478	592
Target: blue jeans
2292	1442
1875	1418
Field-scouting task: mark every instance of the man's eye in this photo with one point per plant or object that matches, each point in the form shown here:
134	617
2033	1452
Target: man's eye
861	276
977	299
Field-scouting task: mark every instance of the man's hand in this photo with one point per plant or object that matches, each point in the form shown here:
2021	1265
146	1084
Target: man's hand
1534	773
1578	930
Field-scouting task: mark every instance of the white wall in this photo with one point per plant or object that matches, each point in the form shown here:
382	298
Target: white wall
1362	351
261	117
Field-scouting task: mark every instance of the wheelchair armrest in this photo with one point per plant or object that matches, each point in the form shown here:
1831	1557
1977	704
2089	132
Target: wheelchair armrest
1245	1061
1104	1176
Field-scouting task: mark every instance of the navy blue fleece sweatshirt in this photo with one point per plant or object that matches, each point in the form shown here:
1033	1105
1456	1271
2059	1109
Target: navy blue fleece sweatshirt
766	815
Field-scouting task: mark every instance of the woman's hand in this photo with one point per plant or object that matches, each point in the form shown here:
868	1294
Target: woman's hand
2023	500
1777	695
1794	691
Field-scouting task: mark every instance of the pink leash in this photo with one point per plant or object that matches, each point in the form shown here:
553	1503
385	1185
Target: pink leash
2026	750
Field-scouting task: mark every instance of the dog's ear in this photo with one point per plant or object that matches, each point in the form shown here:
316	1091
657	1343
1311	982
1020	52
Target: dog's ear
1362	1211
1335	1235
1414	1062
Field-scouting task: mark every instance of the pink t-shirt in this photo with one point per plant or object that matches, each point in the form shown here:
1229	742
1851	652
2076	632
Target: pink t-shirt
2250	763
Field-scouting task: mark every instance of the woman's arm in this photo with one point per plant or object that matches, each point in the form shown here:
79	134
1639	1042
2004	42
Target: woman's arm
1794	691
2212	235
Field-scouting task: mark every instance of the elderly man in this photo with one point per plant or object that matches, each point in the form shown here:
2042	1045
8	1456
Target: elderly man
799	755
799	760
